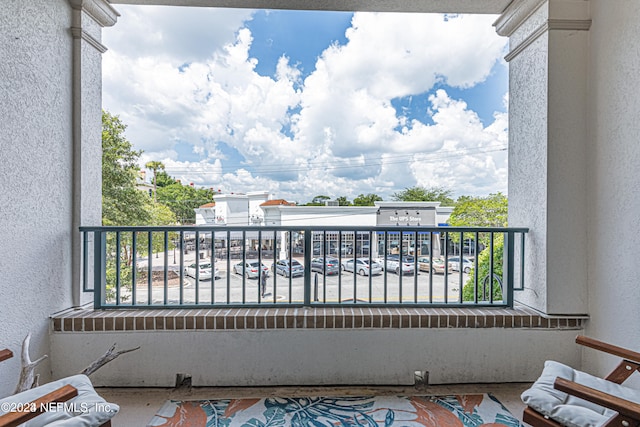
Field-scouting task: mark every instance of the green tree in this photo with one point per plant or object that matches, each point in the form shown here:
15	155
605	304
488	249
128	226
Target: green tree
366	200
318	200
160	214
343	201
183	199
122	202
490	211
424	194
163	179
154	166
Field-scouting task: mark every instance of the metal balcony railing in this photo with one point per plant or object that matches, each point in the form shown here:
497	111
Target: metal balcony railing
254	266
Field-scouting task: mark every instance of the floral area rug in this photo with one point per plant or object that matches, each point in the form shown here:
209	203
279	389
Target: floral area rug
442	411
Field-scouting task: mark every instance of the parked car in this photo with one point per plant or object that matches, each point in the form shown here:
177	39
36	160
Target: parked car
393	264
250	269
204	272
425	264
454	262
288	268
328	267
362	267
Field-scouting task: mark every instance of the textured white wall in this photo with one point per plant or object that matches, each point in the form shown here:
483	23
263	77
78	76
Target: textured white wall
547	156
50	173
567	191
528	157
315	356
614	177
87	144
35	175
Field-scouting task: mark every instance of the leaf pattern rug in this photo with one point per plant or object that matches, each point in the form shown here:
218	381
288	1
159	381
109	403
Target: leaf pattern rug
468	410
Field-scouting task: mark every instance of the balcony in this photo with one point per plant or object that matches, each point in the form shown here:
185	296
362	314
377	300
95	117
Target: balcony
399	323
572	180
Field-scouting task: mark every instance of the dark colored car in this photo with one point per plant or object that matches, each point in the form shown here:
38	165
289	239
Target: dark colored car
331	266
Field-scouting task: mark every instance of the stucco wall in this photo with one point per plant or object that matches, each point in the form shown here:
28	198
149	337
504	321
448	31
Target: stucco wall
35	175
322	215
547	153
567	171
614	177
308	356
528	157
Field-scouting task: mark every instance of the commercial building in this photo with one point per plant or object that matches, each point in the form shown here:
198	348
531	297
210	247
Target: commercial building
259	209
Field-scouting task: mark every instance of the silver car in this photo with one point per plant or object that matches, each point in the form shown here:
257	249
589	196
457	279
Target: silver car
407	266
250	269
362	267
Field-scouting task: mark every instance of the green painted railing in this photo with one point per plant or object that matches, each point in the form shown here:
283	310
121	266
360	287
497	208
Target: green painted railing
213	266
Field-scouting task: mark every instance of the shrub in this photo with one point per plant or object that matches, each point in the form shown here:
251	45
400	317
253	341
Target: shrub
484	268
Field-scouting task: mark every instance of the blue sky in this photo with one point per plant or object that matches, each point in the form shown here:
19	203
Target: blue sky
306	103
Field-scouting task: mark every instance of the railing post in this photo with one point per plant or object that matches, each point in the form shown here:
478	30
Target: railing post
508	267
307	266
85	261
100	268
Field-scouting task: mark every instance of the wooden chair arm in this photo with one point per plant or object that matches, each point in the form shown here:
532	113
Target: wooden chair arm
621	406
5	354
36	407
608	348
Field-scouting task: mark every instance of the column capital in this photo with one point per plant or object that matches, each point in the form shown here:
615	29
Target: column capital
539	17
515	14
100	10
519	11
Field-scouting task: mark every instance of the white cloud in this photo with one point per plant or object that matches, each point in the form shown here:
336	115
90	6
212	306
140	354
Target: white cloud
349	95
186	33
343	138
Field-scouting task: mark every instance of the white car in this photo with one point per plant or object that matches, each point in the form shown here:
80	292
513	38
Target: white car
454	262
362	267
204	271
393	264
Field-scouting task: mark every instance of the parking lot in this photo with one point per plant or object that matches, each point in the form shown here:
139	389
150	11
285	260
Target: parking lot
230	288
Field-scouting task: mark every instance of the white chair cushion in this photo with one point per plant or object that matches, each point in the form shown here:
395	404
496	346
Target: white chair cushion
87	409
568	410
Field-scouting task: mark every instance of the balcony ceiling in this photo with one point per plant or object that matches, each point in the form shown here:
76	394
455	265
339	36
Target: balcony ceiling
424	6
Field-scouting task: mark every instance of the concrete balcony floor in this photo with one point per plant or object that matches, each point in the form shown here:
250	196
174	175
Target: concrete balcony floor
138	405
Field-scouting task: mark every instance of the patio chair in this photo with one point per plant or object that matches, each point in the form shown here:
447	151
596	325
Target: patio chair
71	401
563	396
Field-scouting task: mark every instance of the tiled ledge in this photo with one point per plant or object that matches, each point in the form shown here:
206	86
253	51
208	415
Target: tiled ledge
87	320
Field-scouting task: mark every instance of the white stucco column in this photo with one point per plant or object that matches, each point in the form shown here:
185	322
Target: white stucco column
88	19
548	141
284	245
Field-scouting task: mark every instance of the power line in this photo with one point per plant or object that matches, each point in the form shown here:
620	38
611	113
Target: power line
330	164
